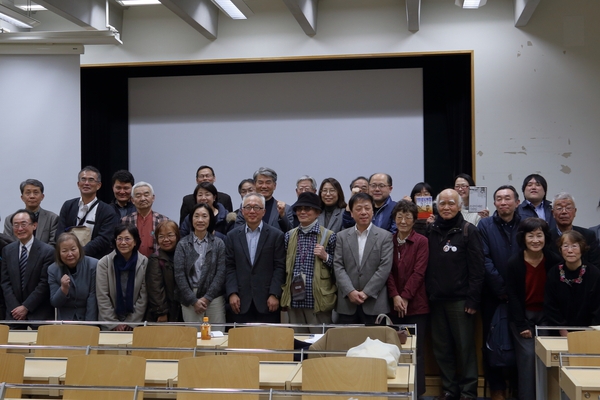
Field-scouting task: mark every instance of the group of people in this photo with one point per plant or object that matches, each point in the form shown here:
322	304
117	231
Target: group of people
321	260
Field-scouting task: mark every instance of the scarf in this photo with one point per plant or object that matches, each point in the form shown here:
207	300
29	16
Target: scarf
447	224
124	305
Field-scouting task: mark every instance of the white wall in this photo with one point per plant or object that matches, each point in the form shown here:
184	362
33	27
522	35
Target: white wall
537	88
40	128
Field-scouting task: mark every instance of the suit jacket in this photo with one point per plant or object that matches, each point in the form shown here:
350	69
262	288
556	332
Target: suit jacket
596	230
255	282
36	296
370	276
335	222
283	224
593	254
106	290
103	232
46	229
189	202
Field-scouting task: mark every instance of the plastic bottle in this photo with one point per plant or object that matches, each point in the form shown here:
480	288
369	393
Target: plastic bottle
205	329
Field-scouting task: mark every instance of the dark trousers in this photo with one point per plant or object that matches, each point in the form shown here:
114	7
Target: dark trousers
359	317
254	316
421	322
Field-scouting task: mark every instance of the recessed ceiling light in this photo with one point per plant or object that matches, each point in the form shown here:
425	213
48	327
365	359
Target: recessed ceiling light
129	3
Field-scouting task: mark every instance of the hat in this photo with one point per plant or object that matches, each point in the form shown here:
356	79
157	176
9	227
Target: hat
308	199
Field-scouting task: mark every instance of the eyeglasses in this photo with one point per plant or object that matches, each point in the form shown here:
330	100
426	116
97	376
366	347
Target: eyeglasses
572	246
406	218
567	209
328	191
461	186
253	208
378	185
126	239
303	189
303	209
169	236
18	225
87	180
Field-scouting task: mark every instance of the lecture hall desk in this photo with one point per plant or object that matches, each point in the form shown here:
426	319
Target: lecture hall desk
547	349
580	383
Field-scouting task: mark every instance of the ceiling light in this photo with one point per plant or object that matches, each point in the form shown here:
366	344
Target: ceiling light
129	3
16	18
235	9
27	5
470	4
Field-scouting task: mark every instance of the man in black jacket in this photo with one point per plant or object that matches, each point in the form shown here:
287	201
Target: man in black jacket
454	278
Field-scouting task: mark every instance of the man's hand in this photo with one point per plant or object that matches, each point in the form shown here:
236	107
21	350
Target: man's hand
357	297
470	310
281	208
526	334
19	313
273	303
234	302
320	252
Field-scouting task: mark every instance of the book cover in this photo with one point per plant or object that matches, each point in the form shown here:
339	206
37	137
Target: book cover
477	198
424	206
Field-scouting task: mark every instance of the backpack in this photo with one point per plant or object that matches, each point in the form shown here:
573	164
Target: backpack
498	346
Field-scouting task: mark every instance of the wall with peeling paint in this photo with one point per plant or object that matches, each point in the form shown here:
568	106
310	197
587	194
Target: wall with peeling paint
537	88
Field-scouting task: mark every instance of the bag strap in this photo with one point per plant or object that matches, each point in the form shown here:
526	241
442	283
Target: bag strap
88	211
382	317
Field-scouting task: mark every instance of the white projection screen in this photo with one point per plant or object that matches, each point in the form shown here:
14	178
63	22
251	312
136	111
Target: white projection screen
339	124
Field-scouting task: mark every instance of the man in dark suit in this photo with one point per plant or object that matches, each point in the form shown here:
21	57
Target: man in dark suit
564	211
32	194
203	174
362	264
91	212
255	266
24	273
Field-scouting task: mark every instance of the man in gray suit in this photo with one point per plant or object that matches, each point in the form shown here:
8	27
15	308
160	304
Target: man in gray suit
362	263
24	273
277	213
255	266
32	194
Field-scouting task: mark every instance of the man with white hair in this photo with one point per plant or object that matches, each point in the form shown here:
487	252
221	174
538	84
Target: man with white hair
304	184
564	211
144	218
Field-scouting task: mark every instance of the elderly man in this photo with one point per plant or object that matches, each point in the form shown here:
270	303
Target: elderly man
144	219
309	292
277	213
380	189
32	194
122	183
499	238
24	273
203	174
454	279
90	212
304	184
362	264
564	212
535	204
255	265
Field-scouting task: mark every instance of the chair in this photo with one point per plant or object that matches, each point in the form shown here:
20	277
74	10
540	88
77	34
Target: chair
342	339
584	342
344	374
263	337
233	371
66	335
3	336
164	336
12	368
104	370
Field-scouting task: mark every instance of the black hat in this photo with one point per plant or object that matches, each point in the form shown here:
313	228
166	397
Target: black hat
308	199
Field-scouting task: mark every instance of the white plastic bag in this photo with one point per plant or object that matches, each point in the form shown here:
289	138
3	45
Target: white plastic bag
377	349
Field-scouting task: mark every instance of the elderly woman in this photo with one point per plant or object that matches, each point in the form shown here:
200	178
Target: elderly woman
206	193
461	185
121	281
72	281
525	281
200	269
163	304
406	282
332	204
572	296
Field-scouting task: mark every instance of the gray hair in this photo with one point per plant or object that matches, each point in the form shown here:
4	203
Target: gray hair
32	182
266	172
140	184
313	183
257	195
564	196
460	200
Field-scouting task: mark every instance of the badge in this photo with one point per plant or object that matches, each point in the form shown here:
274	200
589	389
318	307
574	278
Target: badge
454	249
446	248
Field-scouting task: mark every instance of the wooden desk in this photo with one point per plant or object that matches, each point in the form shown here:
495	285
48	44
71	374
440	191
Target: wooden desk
403	382
580	383
547	351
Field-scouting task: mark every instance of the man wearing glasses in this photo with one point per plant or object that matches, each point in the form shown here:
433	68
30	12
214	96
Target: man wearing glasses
564	212
255	265
89	211
380	189
24	273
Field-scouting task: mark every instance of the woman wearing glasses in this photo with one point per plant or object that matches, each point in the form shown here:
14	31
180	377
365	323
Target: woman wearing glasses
572	296
461	185
163	306
121	282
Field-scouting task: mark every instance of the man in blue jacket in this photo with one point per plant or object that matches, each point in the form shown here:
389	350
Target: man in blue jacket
535	204
498	236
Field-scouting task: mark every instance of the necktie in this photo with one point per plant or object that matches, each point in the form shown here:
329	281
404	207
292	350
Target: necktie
23	265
